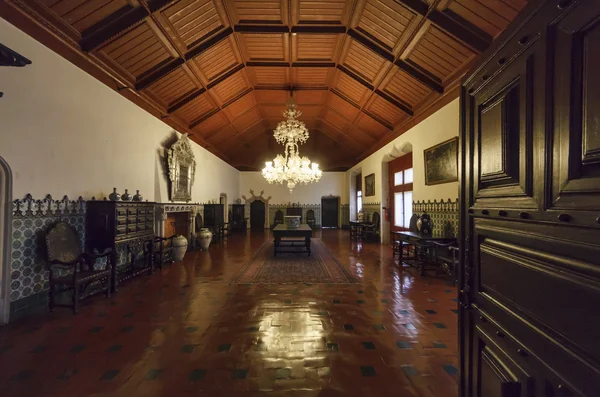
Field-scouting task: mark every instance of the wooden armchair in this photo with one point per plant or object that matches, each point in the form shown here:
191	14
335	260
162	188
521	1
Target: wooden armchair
310	218
71	268
278	218
371	231
160	251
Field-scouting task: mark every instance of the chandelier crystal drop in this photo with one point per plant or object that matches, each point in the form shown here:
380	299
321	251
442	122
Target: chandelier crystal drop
290	167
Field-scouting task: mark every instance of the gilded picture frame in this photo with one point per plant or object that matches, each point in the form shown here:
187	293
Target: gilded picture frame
370	185
441	163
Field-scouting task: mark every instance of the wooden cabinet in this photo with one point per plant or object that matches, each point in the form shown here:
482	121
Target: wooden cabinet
124	227
237	219
530	201
213	215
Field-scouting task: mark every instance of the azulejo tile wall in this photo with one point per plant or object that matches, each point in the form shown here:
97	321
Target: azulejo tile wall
316	208
31	219
345	216
444	214
369	209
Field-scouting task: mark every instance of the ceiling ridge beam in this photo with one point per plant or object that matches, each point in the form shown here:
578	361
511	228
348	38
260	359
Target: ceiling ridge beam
268	64
313	64
319	29
261	29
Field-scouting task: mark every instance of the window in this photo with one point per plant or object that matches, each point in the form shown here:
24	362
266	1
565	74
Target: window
358	193
359	201
401	195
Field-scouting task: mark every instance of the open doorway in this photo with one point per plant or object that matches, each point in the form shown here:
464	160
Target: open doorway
5	237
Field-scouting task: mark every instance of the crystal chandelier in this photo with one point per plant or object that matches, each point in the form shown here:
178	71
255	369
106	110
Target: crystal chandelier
290	167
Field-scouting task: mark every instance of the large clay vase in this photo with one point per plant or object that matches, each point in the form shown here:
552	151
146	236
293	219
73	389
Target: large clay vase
204	238
180	245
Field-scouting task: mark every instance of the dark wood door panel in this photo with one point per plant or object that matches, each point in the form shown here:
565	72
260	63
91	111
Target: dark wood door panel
530	206
556	369
576	140
550	290
497	374
503	155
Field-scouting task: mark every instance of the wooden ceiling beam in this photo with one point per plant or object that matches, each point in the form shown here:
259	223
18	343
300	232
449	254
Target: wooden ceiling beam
461	29
186	100
159	74
261	29
406	108
429	81
318	29
452	23
208	43
108	29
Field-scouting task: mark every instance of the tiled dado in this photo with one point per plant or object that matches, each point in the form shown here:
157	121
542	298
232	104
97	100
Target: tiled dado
369	209
444	214
31	219
316	208
185	331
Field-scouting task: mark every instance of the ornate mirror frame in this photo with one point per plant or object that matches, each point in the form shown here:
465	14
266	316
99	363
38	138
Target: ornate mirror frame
182	169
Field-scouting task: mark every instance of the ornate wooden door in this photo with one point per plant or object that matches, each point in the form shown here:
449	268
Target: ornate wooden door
530	208
257	215
330	209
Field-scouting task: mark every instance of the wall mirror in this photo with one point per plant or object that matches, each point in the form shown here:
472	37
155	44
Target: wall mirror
182	169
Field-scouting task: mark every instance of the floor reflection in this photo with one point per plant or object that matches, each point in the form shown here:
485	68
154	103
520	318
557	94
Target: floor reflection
186	331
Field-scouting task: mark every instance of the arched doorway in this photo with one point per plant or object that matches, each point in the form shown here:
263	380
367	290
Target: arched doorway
257	215
223	201
5	238
387	186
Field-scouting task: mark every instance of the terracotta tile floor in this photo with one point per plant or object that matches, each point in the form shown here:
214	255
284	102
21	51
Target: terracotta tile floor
185	331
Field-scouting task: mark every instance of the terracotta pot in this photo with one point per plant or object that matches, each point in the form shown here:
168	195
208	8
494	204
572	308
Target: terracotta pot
204	238
180	245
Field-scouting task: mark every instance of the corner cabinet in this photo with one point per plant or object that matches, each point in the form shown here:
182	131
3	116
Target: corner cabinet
124	227
530	206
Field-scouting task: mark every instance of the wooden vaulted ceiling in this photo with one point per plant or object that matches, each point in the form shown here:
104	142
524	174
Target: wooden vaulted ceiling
362	71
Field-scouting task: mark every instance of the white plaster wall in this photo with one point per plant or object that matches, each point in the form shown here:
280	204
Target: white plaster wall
64	132
331	183
439	127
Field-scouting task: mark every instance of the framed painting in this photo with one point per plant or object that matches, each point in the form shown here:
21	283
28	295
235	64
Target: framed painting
370	185
441	163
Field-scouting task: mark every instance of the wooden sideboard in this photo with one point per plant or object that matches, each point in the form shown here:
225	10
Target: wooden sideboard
123	226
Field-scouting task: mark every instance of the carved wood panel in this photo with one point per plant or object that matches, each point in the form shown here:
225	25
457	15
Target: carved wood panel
503	141
576	144
530	184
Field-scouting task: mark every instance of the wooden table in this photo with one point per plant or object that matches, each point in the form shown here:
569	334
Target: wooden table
294	237
422	242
